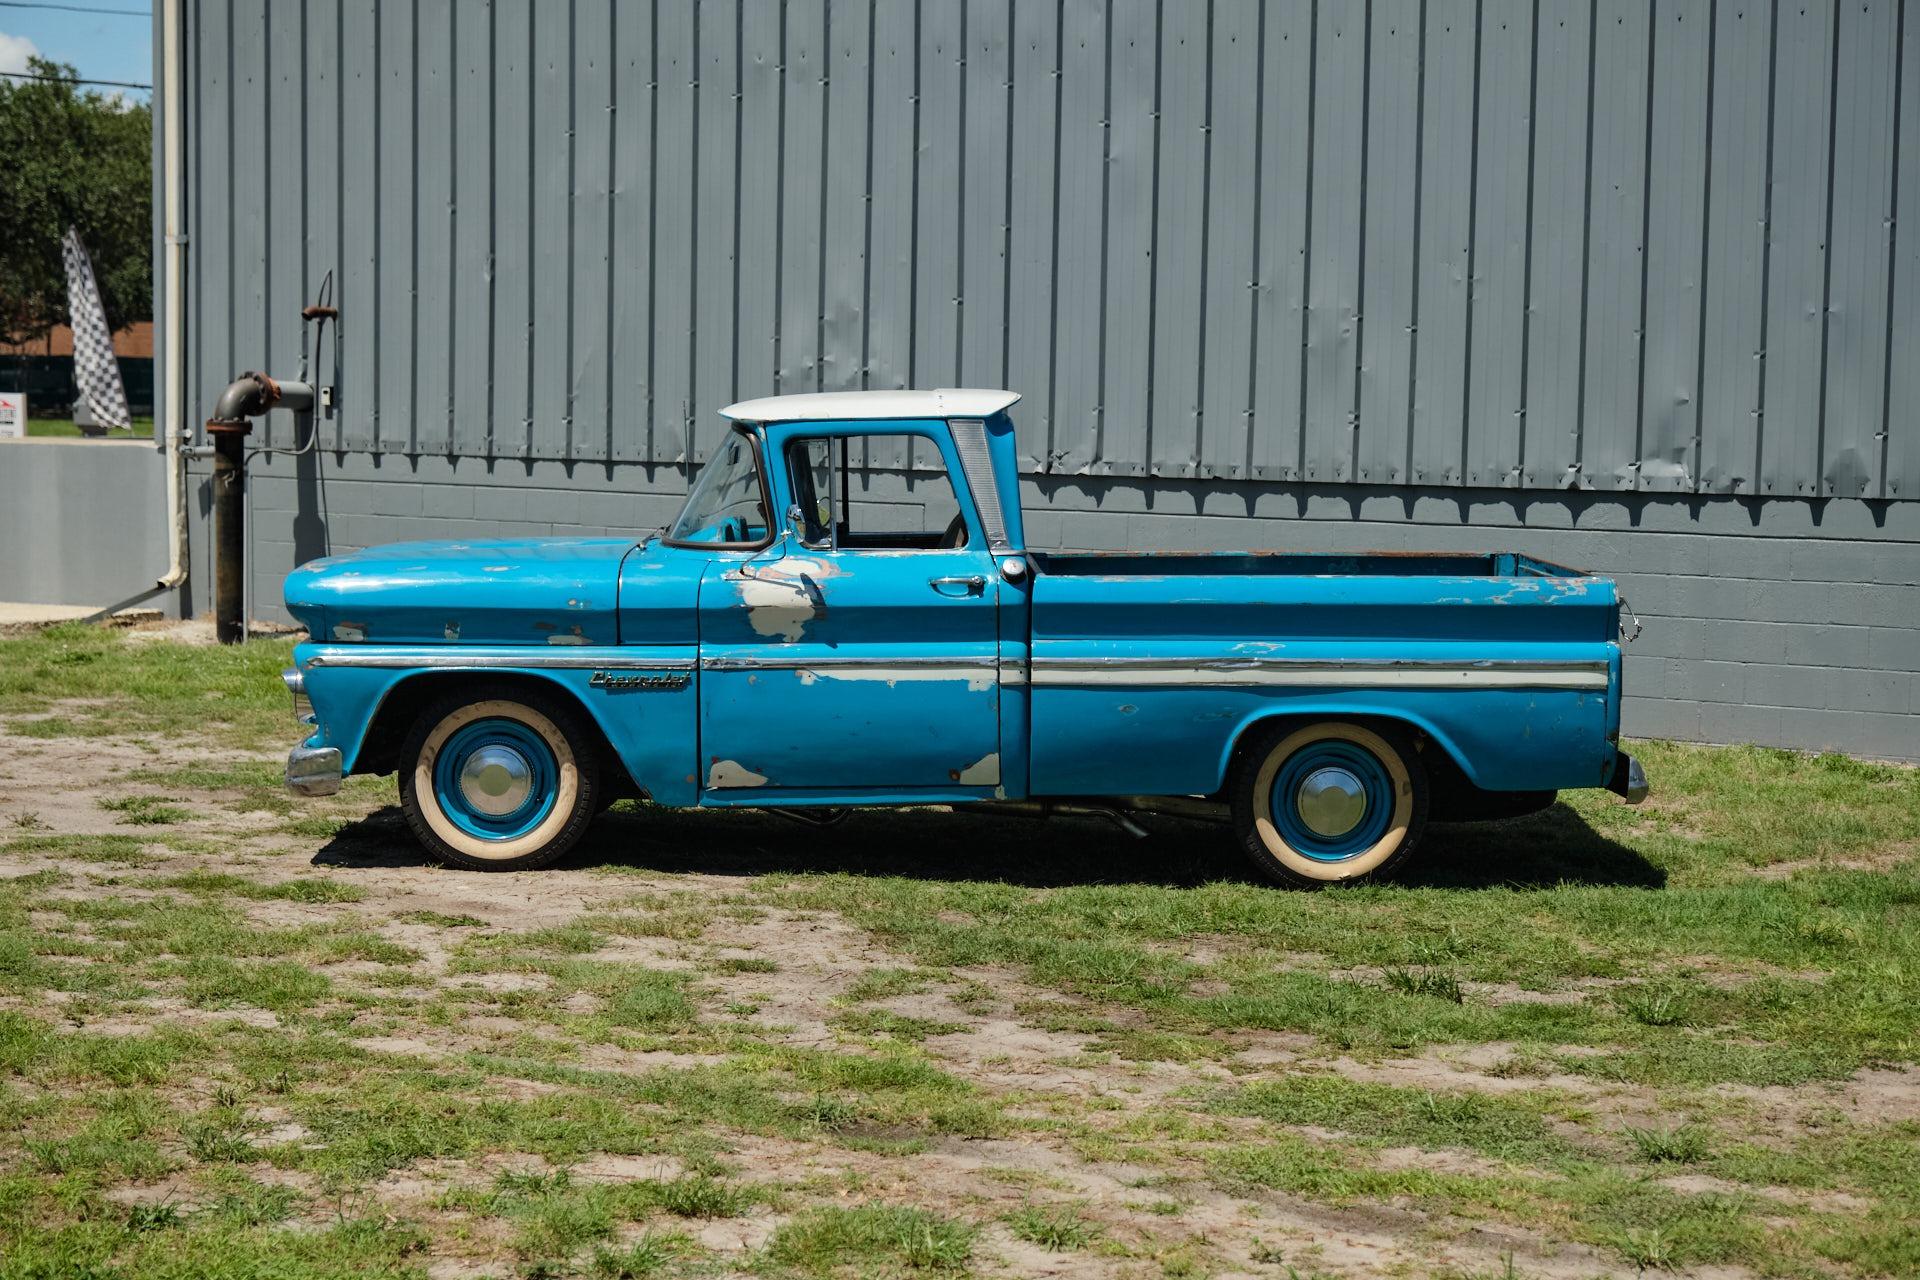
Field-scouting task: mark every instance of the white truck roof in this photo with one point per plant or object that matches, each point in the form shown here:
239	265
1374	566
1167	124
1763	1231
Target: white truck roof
836	406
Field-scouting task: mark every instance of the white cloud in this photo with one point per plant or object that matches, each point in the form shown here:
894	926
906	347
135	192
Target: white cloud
14	52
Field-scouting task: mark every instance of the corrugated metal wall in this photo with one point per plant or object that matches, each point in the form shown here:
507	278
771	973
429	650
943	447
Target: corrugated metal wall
1631	244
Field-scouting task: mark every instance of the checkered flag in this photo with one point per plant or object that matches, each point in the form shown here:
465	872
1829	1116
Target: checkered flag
94	367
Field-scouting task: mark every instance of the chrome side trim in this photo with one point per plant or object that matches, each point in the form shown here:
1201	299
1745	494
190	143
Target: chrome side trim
1309	672
449	657
976	461
979	673
829	662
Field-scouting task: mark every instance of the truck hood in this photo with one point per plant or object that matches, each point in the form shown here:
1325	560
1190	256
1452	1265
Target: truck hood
489	591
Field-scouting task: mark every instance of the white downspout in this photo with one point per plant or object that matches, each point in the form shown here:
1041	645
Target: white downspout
174	324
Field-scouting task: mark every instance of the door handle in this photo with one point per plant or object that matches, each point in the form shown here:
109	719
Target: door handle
966	584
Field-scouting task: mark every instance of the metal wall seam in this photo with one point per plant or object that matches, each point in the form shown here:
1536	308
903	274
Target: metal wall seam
1179	276
1443	249
845	140
803	184
1498	318
630	435
984	86
1546	447
1668	421
1278	313
1615	279
512	114
1133	86
470	260
676	418
284	291
397	186
1797	260
550	235
359	143
717	201
1031	308
1329	417
1900	421
594	127
434	226
1380	444
250	299
1233	123
1860	229
1079	266
1732	324
939	290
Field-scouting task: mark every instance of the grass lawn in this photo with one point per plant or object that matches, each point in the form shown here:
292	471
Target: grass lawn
246	1036
142	429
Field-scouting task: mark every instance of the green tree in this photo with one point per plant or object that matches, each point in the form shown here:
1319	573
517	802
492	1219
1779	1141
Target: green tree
69	158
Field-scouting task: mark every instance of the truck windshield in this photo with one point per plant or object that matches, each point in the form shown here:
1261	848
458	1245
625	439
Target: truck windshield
726	505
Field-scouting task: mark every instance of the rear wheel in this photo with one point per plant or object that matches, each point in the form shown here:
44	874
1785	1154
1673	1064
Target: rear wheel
499	779
1328	803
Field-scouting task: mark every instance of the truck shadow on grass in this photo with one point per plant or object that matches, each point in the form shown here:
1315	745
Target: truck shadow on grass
1548	848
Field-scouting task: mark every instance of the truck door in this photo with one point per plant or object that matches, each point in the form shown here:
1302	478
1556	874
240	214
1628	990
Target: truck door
858	656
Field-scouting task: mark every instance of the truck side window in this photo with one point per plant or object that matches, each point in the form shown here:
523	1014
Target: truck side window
869	510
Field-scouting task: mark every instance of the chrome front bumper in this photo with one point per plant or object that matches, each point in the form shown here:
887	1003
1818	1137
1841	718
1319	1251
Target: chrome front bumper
313	771
1629	780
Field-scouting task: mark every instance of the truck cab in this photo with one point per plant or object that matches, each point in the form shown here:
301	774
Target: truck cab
845	613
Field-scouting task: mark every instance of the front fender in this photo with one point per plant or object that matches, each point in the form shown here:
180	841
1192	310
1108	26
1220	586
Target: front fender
643	698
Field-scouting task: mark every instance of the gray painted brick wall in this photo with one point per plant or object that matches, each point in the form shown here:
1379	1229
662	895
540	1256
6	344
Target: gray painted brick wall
1794	624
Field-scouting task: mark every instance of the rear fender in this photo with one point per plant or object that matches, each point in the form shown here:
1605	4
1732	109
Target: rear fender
1341	709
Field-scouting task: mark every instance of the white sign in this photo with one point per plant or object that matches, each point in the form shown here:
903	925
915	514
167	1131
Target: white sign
13	414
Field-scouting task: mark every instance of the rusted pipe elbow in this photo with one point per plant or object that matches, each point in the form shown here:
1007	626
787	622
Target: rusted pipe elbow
252	394
247	396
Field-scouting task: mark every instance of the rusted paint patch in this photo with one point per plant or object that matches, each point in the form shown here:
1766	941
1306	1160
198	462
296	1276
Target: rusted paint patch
731	773
452	631
351	632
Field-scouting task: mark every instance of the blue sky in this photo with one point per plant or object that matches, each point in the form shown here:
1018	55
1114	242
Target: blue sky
100	46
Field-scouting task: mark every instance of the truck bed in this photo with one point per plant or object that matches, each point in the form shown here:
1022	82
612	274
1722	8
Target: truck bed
1146	668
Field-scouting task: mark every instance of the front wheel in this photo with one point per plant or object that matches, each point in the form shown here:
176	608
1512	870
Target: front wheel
499	779
1328	803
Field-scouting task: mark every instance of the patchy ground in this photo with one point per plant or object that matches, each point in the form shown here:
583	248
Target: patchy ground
246	1035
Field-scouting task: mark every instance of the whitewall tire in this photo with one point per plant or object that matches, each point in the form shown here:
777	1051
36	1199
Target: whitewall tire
1330	802
504	778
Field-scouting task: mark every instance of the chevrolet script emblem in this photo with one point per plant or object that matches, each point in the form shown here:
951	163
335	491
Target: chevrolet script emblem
638	680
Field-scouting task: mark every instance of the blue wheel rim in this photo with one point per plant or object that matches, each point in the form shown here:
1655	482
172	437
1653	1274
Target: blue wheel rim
1376	784
494	735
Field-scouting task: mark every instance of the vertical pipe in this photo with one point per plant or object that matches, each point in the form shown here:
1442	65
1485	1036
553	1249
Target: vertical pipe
172	423
229	529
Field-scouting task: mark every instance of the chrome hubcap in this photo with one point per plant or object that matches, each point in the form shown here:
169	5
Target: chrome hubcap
1331	802
496	780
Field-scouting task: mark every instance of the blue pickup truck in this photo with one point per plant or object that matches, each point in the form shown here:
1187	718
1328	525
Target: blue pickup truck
845	613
